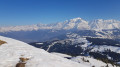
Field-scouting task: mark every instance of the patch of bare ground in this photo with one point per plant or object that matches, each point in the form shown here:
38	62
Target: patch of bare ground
22	62
2	42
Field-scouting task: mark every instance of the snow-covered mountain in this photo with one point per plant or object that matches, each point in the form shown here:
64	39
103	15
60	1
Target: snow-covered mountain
90	61
12	51
75	40
76	23
42	32
85	60
107	50
101	24
72	24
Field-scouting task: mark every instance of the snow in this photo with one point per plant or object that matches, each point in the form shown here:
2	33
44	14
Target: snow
118	62
91	61
39	43
61	55
51	45
75	38
105	47
75	23
14	49
101	24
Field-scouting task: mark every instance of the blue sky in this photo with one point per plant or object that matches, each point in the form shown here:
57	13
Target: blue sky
27	12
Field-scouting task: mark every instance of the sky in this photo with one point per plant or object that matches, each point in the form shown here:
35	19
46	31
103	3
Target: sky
27	12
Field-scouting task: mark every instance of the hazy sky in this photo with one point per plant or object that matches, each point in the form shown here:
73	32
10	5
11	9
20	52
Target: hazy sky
26	12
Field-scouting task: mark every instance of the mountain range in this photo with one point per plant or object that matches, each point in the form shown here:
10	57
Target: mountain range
109	29
106	50
72	24
97	40
14	53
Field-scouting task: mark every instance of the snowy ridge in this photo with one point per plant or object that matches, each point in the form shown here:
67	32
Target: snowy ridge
72	39
101	24
105	47
76	23
90	61
76	39
85	60
13	50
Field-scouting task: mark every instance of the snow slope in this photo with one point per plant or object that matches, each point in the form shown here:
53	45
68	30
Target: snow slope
60	54
85	60
13	50
90	61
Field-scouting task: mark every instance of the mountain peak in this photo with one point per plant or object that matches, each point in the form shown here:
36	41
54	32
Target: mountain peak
76	19
76	23
99	20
